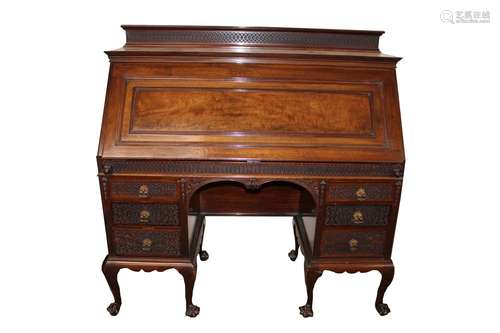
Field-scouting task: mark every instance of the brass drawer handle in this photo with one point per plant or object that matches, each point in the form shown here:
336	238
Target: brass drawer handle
353	245
143	191
357	217
146	244
361	194
144	216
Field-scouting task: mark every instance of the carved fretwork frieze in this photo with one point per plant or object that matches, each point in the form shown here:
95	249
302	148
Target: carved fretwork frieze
233	36
261	168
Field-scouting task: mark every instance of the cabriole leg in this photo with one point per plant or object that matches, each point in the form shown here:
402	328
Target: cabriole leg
111	274
311	276
387	276
189	275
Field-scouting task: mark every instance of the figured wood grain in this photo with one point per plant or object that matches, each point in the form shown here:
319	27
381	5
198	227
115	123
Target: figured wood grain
251	113
160	110
382	143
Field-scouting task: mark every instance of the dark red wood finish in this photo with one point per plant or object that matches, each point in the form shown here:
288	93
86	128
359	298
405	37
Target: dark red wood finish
250	121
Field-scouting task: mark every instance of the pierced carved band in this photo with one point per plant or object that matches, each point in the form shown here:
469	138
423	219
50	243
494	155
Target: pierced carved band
333	39
152	214
150	243
260	168
357	214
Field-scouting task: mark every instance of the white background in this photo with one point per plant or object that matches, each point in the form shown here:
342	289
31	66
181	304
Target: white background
52	86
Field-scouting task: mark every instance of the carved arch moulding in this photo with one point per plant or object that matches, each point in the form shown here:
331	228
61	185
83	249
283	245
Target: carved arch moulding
190	185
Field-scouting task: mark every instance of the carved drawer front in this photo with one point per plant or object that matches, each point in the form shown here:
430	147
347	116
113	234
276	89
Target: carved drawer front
145	214
358	215
360	191
144	190
135	242
349	243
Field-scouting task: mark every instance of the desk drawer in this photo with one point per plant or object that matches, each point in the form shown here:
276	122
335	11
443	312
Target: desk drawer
143	190
360	191
352	243
145	214
358	215
136	242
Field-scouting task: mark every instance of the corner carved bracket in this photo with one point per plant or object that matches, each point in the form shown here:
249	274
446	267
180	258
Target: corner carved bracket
107	170
252	184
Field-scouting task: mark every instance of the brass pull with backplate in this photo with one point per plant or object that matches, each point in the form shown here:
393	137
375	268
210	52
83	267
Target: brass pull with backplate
357	217
143	191
353	245
361	194
144	216
146	244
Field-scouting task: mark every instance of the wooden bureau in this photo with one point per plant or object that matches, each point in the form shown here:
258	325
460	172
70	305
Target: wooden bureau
205	121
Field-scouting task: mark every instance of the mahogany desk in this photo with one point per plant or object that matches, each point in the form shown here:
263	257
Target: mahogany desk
250	121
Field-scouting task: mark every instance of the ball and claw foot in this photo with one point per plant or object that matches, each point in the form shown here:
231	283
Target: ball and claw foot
292	255
306	311
192	310
382	308
114	308
204	255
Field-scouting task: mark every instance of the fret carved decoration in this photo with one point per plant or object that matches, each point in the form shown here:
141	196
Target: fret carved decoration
261	168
